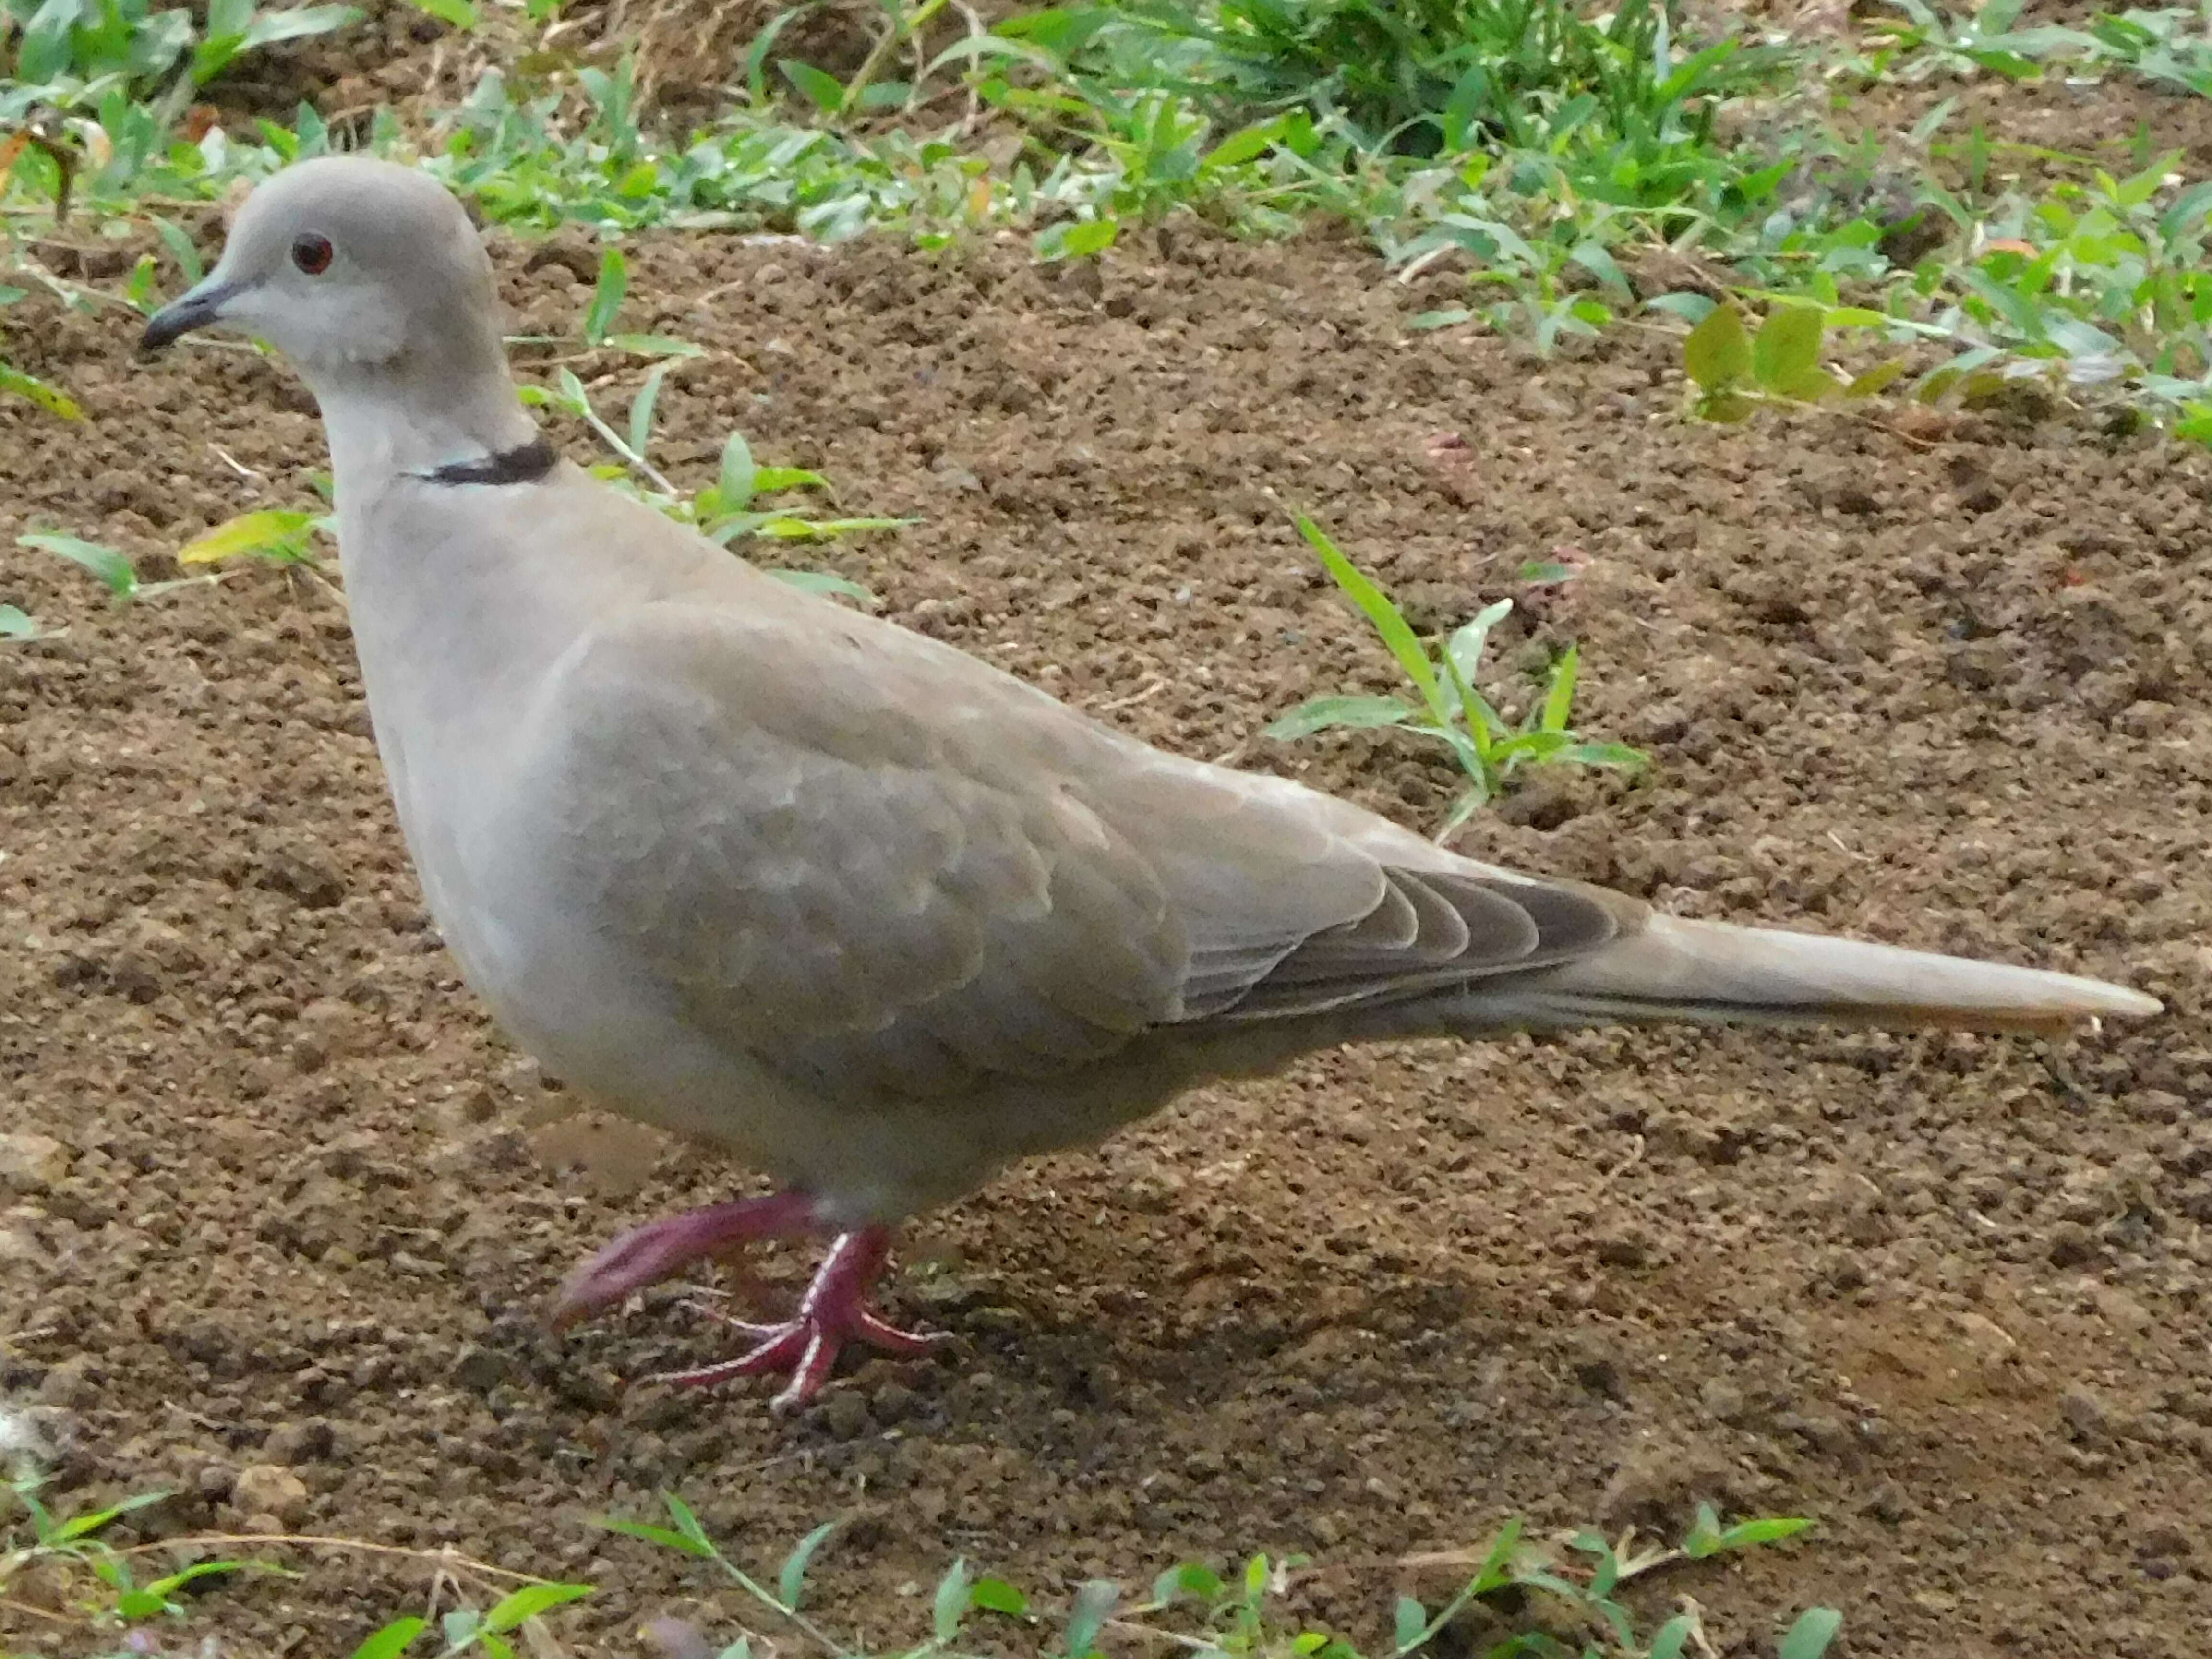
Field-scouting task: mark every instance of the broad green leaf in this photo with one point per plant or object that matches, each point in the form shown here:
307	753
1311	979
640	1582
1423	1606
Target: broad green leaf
249	533
791	1578
607	297
1876	380
769	479
1328	714
394	1640
1690	307
1717	353
1672	1637
825	91
1077	239
15	624
139	1604
1787	348
115	571
1410	1619
531	1600
1193	1578
1809	1636
997	1595
950	1604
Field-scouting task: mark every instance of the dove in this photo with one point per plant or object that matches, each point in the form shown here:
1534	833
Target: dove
859	910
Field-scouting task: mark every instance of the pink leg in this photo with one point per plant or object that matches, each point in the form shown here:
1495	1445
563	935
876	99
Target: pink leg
646	1255
834	1312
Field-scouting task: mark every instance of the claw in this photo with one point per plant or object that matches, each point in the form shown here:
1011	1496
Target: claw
833	1312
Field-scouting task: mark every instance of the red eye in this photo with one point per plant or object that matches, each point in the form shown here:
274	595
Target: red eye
312	253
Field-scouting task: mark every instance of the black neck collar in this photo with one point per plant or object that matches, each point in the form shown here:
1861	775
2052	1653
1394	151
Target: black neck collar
524	463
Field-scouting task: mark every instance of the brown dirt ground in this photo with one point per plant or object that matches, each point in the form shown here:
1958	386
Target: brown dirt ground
1944	1293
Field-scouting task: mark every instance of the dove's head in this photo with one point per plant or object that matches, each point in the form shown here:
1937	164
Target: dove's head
370	277
346	264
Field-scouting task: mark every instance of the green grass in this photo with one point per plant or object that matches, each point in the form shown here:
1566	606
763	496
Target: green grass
1446	706
1566	1597
1536	147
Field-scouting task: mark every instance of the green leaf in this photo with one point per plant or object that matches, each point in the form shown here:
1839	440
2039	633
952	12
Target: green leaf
1466	645
461	14
1717	353
1329	713
1809	1636
531	1600
1408	1623
824	90
950	1604
640	408
139	1604
1668	1641
250	532
1094	1604
32	389
394	1640
653	345
1385	617
1558	702
1193	1578
460	1626
1787	348
738	476
1704	1538
767	480
1768	1530
997	1595
1617	755
114	570
821	581
663	1536
1545	573
606	296
791	1577
16	624
1077	239
1876	380
1690	307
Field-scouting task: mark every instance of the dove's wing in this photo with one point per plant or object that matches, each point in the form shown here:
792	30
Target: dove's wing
880	866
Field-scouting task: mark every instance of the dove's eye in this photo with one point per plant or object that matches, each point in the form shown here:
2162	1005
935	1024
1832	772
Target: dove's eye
312	253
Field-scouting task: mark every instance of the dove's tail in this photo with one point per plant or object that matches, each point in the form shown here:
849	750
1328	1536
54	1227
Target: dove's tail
1672	970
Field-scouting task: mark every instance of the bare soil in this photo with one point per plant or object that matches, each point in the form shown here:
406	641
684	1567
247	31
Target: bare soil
1946	1294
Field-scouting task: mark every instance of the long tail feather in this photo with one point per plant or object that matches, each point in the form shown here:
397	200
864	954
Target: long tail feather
1673	969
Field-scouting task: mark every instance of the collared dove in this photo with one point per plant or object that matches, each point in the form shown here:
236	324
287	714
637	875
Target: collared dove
743	863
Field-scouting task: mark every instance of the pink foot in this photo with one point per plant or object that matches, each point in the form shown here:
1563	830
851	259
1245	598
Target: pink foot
834	1312
646	1255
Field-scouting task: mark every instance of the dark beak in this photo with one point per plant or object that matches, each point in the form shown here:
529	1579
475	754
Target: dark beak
194	309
